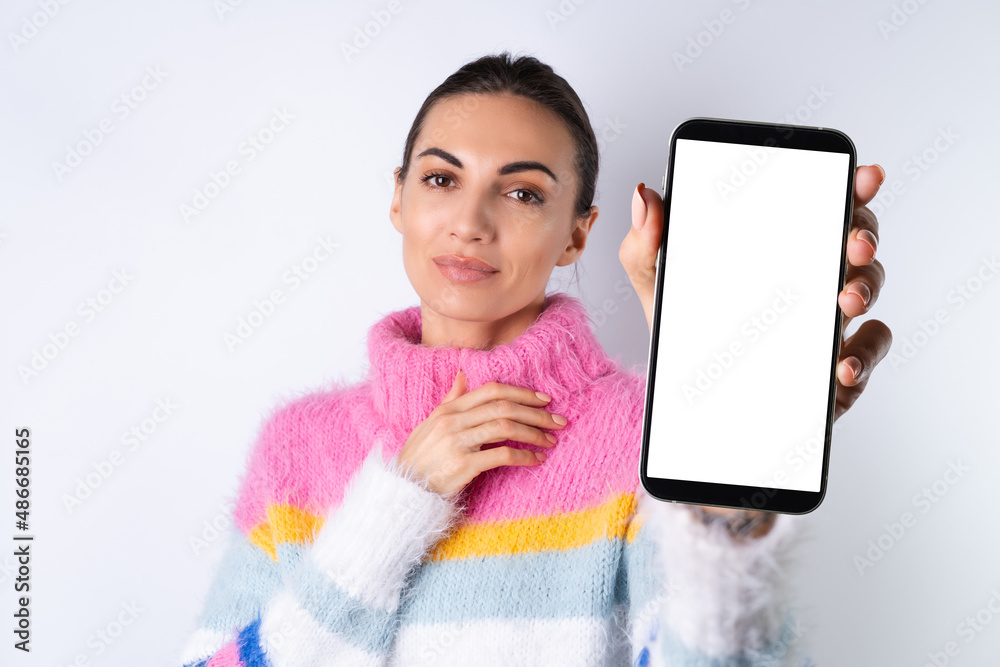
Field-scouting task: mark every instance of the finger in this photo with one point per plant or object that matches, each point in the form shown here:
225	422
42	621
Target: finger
493	391
862	285
862	241
506	409
867	181
487	459
642	243
499	430
457	387
639	248
863	351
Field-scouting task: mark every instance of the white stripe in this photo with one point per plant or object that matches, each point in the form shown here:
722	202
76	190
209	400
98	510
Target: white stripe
506	642
202	644
291	637
385	525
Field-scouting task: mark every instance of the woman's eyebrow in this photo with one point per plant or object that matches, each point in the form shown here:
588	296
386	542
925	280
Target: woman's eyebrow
512	168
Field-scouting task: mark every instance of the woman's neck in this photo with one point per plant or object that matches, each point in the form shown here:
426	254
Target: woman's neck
440	330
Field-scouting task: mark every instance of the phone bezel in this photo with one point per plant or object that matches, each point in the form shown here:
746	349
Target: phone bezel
786	501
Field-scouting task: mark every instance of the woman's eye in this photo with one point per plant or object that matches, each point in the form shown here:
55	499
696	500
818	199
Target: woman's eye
525	196
434	179
531	199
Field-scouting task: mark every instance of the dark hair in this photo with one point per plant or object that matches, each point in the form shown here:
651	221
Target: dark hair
527	77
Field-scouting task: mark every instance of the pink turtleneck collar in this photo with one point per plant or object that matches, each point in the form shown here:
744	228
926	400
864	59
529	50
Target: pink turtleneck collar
557	354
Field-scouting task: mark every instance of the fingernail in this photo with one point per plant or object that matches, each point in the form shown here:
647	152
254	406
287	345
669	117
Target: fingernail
869	238
861	290
540	456
638	207
559	419
881	180
544	397
855	365
551	438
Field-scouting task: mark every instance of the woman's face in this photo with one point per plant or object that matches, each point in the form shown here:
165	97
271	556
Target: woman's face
491	178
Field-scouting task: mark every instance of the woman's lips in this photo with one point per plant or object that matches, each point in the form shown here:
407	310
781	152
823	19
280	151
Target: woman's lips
463	269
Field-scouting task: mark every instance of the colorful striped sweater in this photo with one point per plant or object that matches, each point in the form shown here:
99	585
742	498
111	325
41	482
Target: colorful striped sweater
339	557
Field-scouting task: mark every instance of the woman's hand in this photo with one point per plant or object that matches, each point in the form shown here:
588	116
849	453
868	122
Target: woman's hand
864	277
444	449
860	353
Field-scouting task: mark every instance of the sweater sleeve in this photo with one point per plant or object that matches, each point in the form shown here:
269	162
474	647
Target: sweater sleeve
341	604
700	597
342	608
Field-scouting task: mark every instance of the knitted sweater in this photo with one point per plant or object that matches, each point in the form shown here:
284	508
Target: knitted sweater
340	557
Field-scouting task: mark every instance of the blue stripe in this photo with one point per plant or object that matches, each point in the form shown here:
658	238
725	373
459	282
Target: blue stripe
357	623
585	581
774	654
548	584
245	580
638	579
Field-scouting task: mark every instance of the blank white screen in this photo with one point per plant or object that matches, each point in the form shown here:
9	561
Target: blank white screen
750	285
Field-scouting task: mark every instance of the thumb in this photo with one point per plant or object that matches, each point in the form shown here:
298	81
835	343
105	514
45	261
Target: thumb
641	245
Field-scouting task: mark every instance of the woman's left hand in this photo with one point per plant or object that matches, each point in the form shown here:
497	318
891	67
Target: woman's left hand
860	353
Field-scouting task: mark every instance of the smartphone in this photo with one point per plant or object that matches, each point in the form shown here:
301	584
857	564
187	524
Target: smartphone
746	332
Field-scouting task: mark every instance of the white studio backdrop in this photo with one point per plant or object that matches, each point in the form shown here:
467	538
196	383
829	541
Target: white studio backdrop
116	115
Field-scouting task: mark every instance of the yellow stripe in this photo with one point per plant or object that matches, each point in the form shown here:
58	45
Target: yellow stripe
558	532
633	527
285	523
288	523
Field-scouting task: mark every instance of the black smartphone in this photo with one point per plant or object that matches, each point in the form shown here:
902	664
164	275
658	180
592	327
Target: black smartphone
746	329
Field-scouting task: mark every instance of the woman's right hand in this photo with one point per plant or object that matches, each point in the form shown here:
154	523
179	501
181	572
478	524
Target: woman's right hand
444	449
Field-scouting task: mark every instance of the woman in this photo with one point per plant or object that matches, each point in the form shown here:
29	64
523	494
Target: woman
475	499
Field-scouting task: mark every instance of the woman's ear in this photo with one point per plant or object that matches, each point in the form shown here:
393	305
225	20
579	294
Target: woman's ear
578	238
396	207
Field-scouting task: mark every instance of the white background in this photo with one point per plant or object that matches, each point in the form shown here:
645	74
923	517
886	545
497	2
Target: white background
328	173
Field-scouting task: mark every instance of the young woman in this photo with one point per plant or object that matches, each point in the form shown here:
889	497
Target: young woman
475	499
